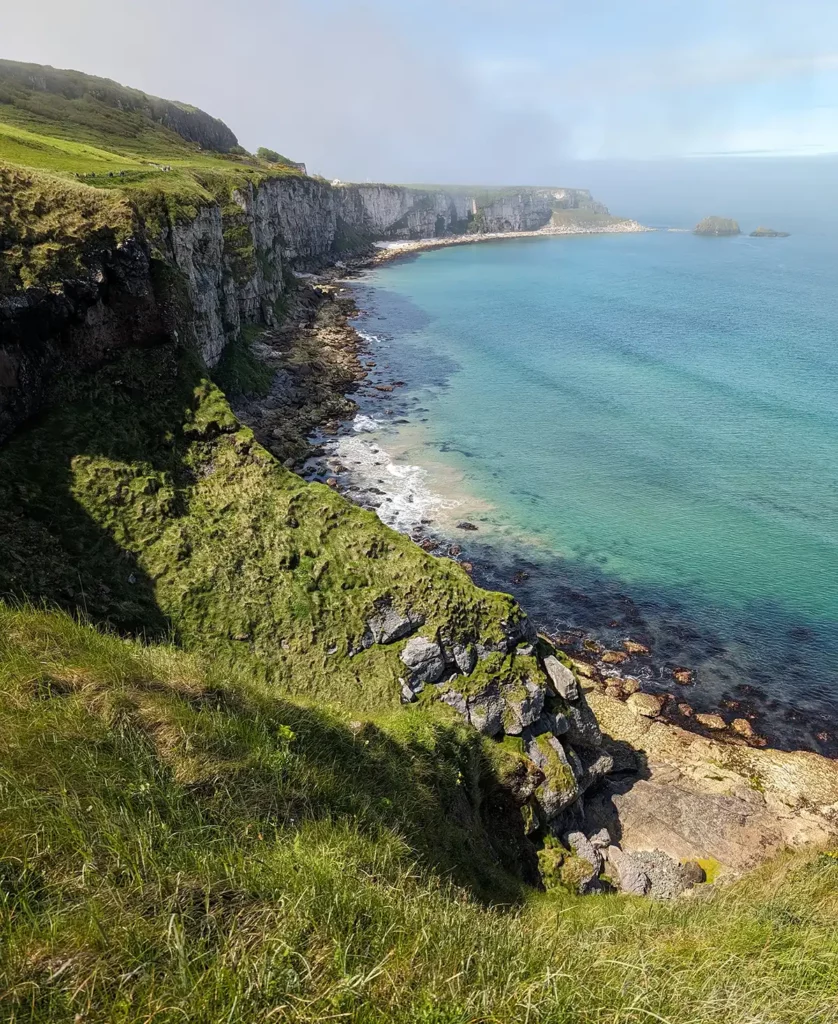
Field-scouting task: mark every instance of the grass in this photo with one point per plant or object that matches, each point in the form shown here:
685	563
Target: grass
140	500
178	842
87	147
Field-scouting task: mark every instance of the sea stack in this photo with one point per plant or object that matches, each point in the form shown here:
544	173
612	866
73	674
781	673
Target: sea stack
717	227
762	232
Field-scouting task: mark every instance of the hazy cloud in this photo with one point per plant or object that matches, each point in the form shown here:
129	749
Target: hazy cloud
464	90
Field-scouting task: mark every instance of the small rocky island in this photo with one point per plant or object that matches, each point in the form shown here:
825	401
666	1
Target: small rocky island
717	227
762	232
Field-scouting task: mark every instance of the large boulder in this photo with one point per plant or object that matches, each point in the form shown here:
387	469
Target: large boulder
523	705
424	659
563	680
583	729
560	787
388	625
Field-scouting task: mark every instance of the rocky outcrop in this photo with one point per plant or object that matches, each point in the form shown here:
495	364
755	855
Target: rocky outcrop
763	232
717	227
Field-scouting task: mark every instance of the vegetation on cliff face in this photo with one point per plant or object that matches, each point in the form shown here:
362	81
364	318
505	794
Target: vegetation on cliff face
143	501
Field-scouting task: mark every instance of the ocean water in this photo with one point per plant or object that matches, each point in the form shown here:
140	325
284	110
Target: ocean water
644	428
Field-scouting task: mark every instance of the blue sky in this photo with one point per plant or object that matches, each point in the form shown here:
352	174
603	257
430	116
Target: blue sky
461	90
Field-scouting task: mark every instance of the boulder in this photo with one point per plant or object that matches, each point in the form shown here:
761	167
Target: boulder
486	710
522	708
387	625
649	705
634	647
627	876
424	659
563	680
743	727
464	657
559	788
583	729
714	722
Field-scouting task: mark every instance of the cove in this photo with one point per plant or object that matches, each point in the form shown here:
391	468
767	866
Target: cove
649	423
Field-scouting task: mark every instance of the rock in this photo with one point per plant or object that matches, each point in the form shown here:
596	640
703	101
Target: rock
559	788
425	660
717	227
715	722
762	232
465	525
556	722
699	796
687	710
683	676
583	728
591	766
615	691
626	874
585	850
408	696
465	657
633	647
523	709
743	727
694	872
387	625
600	840
486	711
453	698
614	657
563	680
649	705
667	878
629	685
584	668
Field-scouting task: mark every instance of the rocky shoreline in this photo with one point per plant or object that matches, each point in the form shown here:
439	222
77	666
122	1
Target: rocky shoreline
673	784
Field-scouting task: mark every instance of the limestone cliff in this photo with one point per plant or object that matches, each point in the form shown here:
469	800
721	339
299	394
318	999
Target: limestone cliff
229	265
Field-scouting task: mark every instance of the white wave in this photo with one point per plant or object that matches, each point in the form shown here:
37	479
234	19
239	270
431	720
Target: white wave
365	424
373	339
407	497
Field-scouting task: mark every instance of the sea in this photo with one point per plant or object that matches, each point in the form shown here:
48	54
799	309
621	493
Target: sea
643	428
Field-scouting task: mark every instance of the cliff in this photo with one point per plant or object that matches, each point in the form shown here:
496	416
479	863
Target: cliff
227	255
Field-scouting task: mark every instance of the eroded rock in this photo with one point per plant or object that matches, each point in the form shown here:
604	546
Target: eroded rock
424	659
388	625
563	680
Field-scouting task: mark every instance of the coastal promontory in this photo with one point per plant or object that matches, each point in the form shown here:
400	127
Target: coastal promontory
717	227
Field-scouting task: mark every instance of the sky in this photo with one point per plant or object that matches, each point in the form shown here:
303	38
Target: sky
495	91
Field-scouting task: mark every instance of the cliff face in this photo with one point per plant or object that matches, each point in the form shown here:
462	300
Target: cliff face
230	264
235	263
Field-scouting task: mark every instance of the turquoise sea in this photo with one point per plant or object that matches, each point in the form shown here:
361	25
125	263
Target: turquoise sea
645	430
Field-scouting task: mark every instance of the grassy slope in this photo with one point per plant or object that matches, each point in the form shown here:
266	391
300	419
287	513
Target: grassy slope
177	842
142	501
48	140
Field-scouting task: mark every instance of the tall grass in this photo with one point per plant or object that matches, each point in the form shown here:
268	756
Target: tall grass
176	845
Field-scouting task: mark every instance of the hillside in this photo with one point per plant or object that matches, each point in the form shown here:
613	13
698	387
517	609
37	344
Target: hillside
261	757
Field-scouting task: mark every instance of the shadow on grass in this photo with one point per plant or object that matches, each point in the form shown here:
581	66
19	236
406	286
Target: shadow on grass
119	428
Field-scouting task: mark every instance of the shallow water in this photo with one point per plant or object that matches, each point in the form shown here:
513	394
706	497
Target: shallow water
648	422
